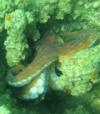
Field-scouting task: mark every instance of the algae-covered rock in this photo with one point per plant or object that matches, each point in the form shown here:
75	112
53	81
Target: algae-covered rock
78	73
87	11
5	7
81	72
16	43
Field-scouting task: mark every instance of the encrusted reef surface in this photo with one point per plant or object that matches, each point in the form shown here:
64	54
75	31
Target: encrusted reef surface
49	57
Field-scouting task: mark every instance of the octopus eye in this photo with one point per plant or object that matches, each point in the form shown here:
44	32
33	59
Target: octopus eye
17	69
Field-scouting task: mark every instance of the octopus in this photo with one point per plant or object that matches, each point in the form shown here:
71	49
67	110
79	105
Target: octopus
33	80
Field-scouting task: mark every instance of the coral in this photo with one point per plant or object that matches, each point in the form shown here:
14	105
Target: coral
78	74
5	7
87	11
83	14
16	43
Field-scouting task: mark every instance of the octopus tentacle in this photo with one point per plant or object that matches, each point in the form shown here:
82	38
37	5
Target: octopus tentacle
48	52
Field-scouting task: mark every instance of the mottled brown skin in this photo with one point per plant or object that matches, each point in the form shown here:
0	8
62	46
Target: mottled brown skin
48	51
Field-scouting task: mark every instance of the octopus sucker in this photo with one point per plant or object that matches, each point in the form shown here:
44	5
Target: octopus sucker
48	52
35	88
